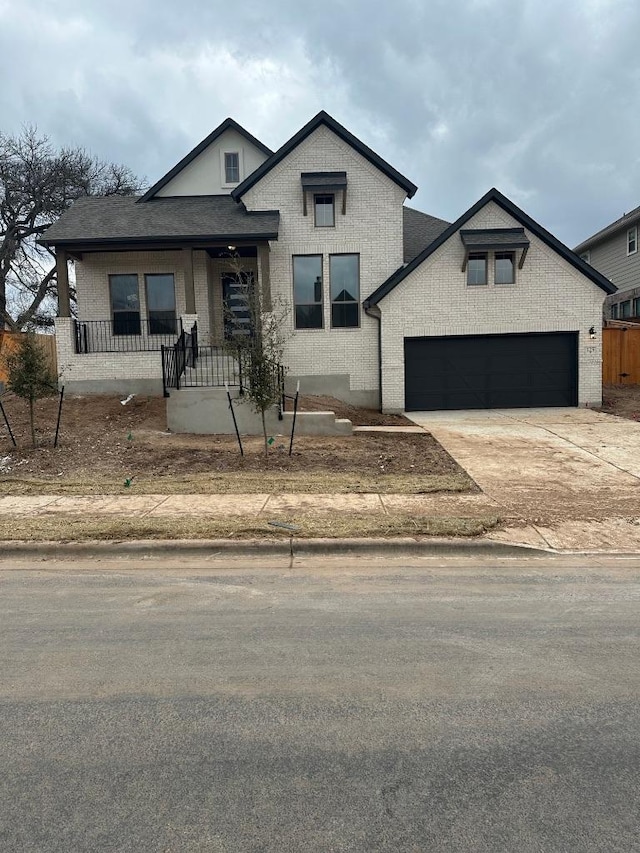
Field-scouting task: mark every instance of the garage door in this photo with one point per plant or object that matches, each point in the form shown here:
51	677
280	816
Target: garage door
491	371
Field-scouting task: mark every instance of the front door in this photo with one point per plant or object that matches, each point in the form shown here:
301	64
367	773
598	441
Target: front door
235	300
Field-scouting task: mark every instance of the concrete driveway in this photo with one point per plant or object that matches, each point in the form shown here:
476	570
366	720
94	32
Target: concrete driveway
545	466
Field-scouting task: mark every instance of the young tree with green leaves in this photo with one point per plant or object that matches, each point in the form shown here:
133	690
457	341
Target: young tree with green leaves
258	343
30	376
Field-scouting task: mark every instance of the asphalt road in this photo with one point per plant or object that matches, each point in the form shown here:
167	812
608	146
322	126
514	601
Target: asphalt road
344	707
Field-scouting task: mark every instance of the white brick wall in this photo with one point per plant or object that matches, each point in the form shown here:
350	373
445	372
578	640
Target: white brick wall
372	228
549	295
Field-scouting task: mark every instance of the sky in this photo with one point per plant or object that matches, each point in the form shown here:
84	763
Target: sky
538	98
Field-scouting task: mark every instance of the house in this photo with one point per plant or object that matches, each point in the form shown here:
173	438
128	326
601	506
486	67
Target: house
613	251
388	307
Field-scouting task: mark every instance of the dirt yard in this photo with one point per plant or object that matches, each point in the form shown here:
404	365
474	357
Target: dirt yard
105	446
621	400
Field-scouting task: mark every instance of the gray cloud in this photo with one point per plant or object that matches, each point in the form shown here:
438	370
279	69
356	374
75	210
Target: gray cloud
537	98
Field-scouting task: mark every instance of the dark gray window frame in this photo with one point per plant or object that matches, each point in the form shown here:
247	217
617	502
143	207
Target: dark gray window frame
332	196
137	332
350	302
496	257
147	275
304	304
475	256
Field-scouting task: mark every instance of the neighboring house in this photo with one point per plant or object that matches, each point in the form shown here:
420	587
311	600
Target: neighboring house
613	251
389	307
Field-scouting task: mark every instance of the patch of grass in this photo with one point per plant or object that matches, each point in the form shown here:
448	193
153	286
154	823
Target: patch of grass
246	482
325	525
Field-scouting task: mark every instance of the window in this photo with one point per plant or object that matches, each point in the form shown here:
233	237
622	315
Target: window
125	304
477	268
625	309
504	268
232	167
344	275
632	240
161	303
324	207
307	291
614	311
636	307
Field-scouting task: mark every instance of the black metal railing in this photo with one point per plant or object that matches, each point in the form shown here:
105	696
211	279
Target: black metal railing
132	334
187	365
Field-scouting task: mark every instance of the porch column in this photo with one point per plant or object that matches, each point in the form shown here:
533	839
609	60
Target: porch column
189	290
62	276
264	277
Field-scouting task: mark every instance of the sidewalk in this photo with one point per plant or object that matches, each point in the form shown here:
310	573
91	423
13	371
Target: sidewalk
615	534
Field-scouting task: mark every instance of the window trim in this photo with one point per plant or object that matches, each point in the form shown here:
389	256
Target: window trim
113	312
512	256
304	304
223	166
146	296
332	196
475	256
632	239
350	302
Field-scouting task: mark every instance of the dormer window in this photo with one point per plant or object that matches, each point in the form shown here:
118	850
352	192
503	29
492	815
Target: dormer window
325	210
231	167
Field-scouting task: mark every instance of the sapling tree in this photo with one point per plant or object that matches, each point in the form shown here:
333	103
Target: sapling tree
255	334
30	376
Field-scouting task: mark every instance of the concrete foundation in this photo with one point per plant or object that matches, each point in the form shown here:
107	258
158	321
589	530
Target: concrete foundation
205	411
85	387
336	385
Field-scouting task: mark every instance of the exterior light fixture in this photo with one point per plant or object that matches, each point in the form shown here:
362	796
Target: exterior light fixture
231	248
592	333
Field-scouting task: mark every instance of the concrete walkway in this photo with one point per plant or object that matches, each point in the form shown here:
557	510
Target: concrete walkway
614	534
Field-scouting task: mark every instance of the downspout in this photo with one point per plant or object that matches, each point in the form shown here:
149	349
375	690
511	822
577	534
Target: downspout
374	311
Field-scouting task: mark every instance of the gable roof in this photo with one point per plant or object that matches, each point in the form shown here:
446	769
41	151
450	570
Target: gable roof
317	121
419	230
227	124
105	220
507	205
629	219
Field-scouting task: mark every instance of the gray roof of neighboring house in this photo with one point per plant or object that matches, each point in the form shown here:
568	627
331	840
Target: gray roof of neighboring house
420	230
117	219
625	221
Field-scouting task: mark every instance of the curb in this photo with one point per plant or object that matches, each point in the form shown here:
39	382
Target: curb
288	548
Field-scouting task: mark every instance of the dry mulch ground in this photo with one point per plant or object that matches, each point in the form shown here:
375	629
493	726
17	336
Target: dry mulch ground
621	400
103	443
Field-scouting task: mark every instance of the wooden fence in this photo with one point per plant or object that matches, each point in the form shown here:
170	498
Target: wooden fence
621	356
9	341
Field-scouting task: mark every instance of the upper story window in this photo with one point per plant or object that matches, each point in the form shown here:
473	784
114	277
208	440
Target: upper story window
307	291
324	210
477	268
625	309
125	304
632	240
636	307
161	303
504	272
614	311
344	274
231	167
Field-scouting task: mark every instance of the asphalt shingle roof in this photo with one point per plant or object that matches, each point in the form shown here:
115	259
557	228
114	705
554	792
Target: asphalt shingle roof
626	221
120	219
420	230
